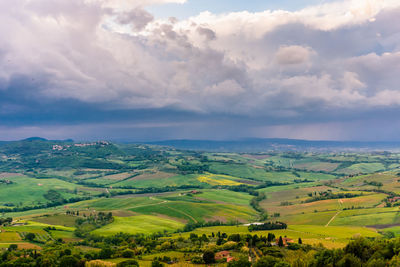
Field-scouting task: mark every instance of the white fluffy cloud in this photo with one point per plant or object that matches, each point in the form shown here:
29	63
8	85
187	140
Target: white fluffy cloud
113	53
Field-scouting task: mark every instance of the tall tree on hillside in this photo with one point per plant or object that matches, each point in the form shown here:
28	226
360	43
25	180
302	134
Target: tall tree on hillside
280	241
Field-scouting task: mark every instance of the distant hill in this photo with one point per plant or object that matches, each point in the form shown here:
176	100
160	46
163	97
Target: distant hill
276	144
251	145
35	139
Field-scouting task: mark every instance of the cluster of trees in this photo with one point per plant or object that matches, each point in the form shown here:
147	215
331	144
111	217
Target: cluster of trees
255	202
45	205
265	251
329	195
299	181
189	168
267	226
194	225
6	181
197	249
4	221
373	183
54	196
149	190
86	224
242	188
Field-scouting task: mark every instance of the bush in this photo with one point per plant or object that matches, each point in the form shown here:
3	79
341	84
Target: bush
30	236
127	253
242	262
105	253
229	245
197	260
266	261
156	264
69	261
209	257
349	260
128	263
12	247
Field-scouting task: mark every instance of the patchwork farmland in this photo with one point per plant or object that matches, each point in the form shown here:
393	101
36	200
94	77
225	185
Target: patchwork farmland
325	199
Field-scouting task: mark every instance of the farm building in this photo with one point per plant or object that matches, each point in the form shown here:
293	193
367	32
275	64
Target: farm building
222	255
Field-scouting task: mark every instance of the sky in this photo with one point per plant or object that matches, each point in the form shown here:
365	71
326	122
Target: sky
194	7
144	70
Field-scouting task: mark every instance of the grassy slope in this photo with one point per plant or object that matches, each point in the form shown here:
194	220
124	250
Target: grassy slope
225	196
177	180
141	224
28	190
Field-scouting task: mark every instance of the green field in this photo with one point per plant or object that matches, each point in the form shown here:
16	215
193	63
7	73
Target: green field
141	224
163	180
225	196
29	191
195	212
57	219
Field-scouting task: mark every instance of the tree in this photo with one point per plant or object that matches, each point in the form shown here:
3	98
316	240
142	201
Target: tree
156	263
128	253
280	241
349	260
282	264
377	263
209	257
128	263
266	261
204	238
270	237
12	247
30	236
68	261
242	262
105	253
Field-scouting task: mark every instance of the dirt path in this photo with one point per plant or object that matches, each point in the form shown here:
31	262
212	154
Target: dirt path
337	213
165	201
184	213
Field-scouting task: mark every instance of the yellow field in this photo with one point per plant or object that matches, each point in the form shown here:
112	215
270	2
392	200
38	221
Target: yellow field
213	179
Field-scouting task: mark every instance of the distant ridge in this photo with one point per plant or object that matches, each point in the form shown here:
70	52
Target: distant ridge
47	140
277	144
35	139
253	145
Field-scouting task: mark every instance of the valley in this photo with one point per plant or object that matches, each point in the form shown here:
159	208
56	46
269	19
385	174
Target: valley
72	193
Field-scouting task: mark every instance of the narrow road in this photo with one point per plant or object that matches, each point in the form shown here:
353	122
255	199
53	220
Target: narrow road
184	213
139	206
337	213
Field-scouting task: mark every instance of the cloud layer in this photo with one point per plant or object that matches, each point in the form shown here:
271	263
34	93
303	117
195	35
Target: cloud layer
110	62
